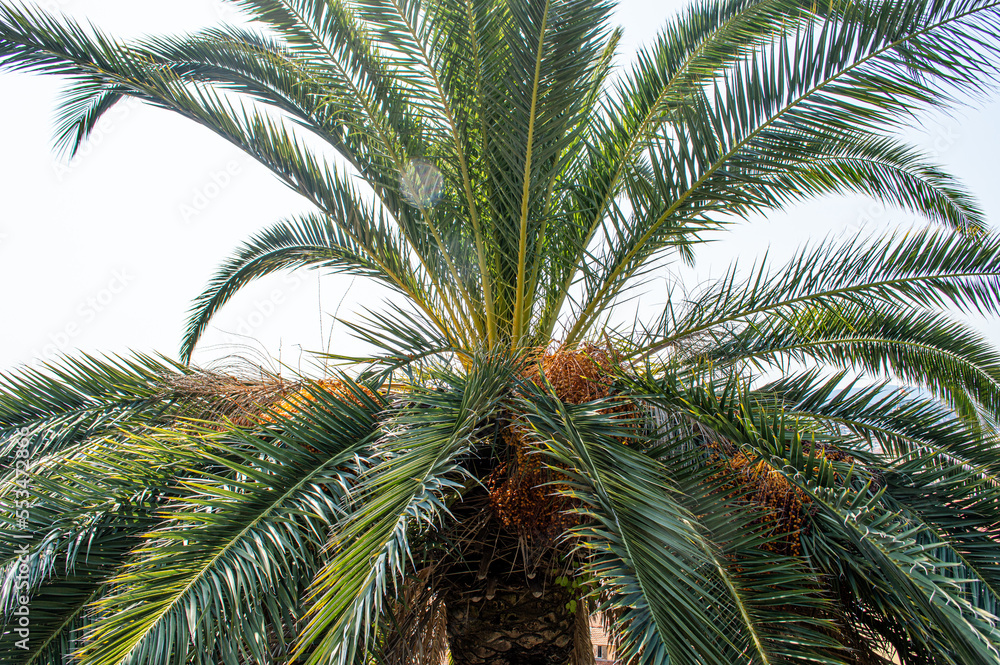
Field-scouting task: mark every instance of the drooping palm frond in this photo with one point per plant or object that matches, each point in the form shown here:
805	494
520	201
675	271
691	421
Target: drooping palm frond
854	71
479	478
220	578
926	270
880	167
76	535
936	466
81	394
409	490
870	524
682	567
309	242
909	345
88	496
897	423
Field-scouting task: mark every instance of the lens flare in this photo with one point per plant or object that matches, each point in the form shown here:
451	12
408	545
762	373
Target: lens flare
422	183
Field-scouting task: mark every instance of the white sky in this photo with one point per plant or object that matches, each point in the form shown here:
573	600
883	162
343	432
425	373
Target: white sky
106	252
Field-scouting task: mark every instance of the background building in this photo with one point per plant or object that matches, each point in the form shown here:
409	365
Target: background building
603	654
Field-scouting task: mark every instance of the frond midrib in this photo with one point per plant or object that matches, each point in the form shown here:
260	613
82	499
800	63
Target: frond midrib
587	313
270	508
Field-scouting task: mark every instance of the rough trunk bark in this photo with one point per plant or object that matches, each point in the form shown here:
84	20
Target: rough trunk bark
514	627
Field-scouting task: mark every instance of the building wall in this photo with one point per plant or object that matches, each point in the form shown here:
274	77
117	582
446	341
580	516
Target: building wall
598	638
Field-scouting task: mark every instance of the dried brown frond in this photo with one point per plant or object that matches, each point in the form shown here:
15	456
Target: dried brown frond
216	396
416	633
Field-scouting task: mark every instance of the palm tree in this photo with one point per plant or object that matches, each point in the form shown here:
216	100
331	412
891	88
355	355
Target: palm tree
795	463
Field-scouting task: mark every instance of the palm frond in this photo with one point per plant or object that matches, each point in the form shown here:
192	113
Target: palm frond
858	69
77	398
641	541
221	577
425	444
869	542
350	244
927	269
879	340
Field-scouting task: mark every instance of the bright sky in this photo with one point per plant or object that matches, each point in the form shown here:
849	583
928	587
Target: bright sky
104	253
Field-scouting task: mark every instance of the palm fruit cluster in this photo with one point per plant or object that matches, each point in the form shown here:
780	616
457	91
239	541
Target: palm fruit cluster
292	403
575	376
783	506
522	494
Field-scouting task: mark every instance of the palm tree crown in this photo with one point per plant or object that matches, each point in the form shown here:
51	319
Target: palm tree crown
733	481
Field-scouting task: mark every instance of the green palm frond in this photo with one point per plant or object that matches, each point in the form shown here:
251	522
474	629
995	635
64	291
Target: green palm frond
859	529
420	472
794	464
692	49
893	545
643	543
75	388
64	405
880	420
311	241
926	269
936	466
881	167
909	345
78	529
958	512
222	574
401	339
680	587
57	45
854	71
81	547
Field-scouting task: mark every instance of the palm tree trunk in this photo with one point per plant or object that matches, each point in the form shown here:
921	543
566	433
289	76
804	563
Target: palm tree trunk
518	625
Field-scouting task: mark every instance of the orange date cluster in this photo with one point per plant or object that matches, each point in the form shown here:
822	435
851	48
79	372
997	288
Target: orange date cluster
525	493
